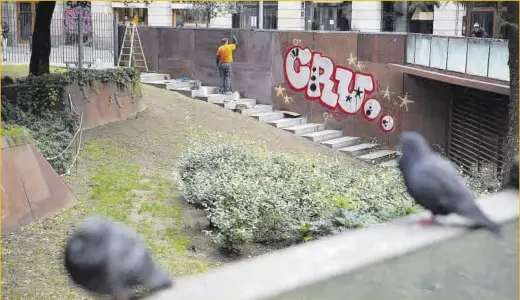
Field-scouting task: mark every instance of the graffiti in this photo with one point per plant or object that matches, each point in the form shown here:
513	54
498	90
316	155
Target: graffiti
405	101
336	115
279	93
386	94
337	88
387	123
73	9
279	90
296	42
82	4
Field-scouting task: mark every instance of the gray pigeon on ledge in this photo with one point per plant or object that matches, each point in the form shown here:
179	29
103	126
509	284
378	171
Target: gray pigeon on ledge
106	258
433	182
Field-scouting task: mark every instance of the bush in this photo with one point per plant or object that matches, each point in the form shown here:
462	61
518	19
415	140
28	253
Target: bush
253	195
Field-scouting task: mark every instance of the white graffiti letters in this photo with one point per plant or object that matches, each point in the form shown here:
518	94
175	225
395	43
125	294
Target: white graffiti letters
352	94
334	86
296	67
320	85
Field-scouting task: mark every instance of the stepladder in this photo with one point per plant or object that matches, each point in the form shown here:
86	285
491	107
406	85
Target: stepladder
131	54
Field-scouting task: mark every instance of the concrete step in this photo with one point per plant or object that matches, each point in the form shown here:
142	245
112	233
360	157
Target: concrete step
378	156
268	116
287	122
389	163
323	135
204	91
233	104
359	149
146	77
342	142
305	128
162	84
216	98
184	91
175	84
259	108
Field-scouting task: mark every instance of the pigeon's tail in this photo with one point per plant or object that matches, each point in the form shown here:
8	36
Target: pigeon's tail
482	221
160	280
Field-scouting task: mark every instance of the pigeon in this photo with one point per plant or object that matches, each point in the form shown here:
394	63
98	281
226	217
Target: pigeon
433	182
108	259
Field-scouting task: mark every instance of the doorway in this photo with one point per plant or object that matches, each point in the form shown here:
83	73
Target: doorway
26	12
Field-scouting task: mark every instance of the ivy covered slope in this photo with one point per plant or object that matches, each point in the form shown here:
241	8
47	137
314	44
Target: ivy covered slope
39	108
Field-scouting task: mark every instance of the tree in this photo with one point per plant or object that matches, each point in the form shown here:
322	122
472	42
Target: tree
211	9
509	20
41	38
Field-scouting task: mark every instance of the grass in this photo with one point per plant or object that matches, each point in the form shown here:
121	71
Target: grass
118	188
18	71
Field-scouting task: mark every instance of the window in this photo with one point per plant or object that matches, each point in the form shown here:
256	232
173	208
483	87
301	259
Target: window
189	18
484	19
388	16
130	14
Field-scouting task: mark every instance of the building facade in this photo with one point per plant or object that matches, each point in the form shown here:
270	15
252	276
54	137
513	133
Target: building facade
448	19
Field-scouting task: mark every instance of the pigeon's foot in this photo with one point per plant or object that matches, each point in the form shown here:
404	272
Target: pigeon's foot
427	221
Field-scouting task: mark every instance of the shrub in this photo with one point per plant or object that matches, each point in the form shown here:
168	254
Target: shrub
253	195
250	194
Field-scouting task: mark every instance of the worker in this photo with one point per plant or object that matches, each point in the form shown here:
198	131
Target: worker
478	31
224	62
135	19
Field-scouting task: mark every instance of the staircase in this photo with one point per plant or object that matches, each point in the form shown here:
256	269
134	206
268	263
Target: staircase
350	145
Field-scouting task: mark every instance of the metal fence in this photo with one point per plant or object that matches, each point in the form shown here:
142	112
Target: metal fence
78	37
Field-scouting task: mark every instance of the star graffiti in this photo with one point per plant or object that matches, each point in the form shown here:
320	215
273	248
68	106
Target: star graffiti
360	66
386	93
348	98
287	99
351	60
359	92
405	101
279	90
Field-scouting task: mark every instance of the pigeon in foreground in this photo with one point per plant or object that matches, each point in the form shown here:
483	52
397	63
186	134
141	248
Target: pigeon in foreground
433	182
107	258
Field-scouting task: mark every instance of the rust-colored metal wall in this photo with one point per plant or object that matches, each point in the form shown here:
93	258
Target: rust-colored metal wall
410	102
106	104
31	189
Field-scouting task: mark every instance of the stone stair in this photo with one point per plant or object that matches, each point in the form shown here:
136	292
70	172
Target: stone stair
350	145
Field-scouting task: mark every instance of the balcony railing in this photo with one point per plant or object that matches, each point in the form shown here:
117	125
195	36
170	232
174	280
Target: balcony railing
398	260
473	56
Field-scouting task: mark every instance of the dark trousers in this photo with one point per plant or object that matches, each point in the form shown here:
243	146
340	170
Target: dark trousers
225	72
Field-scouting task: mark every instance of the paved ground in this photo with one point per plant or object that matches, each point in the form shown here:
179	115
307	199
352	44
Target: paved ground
137	158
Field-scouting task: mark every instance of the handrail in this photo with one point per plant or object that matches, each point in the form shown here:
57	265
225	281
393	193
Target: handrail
293	272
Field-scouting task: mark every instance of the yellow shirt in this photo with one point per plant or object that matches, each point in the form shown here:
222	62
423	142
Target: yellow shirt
225	53
135	20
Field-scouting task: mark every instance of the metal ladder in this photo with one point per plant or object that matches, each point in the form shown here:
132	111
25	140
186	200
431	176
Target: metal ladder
130	50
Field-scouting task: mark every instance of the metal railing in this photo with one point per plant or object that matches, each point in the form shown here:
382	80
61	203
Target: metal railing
472	56
78	37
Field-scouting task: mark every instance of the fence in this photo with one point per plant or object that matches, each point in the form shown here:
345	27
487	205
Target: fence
78	37
472	56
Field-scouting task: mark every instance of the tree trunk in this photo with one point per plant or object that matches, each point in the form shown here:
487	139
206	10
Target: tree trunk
41	38
511	142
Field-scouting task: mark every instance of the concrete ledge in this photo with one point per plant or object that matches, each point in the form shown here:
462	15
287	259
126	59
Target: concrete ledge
369	263
458	80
